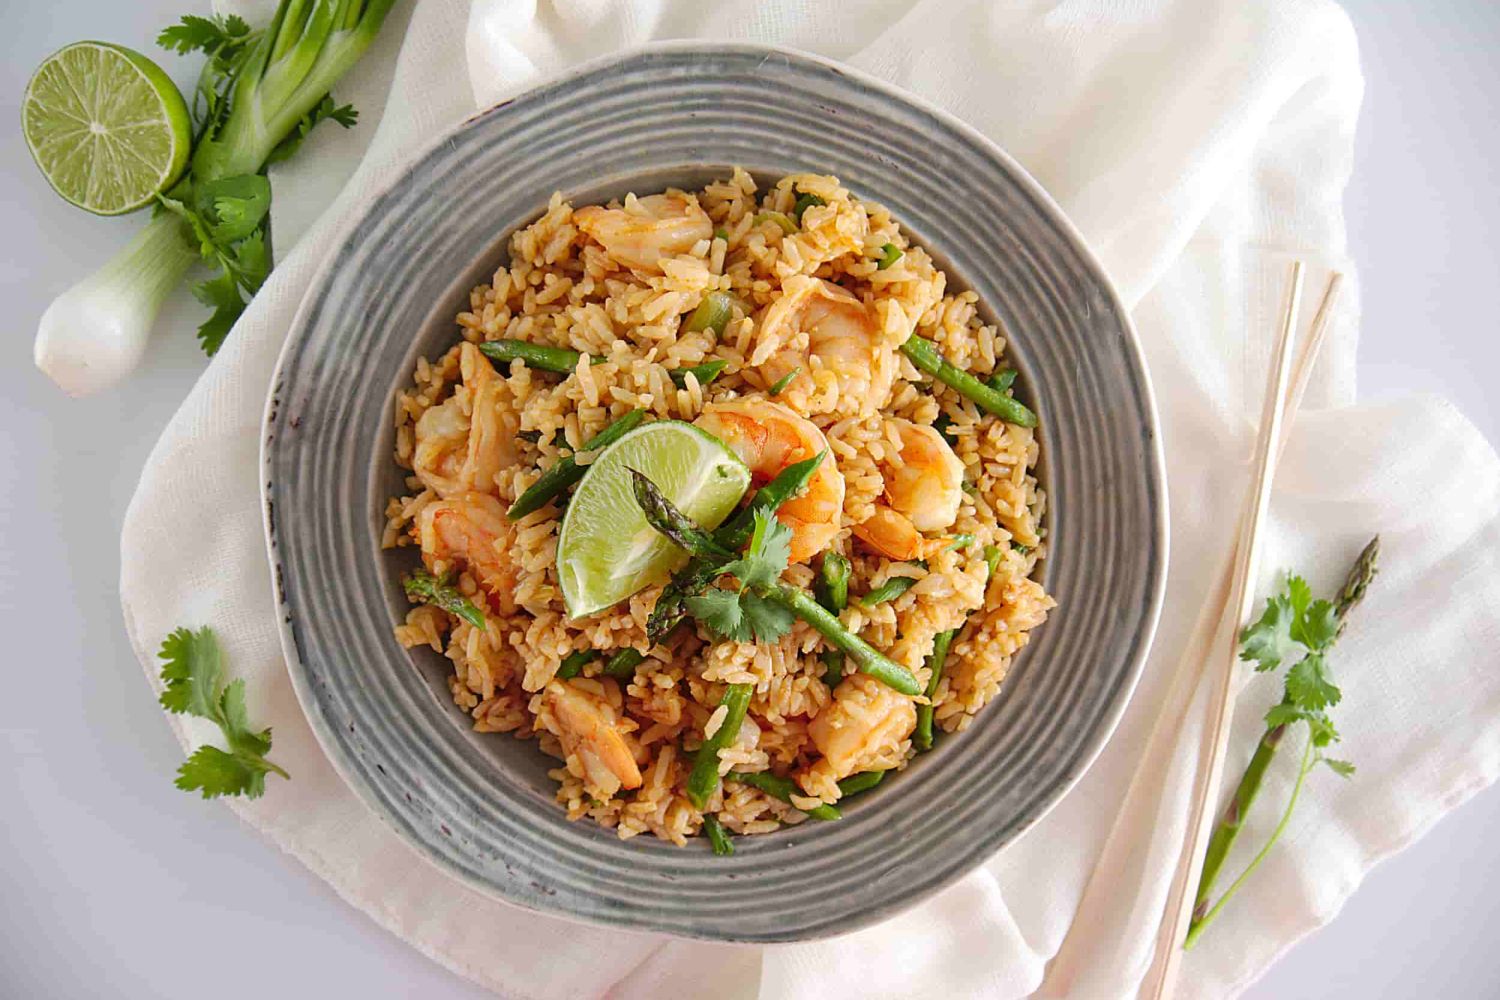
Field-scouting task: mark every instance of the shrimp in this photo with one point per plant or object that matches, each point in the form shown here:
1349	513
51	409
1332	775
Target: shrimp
664	226
863	725
922	493
464	442
842	333
471	529
768	437
587	726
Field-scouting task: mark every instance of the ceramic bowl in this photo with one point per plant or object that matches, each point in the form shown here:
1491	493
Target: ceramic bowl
481	806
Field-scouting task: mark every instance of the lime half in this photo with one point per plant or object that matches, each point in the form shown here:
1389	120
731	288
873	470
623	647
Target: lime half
606	551
107	127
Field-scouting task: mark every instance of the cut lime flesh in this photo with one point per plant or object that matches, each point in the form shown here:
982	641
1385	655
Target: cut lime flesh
606	550
106	126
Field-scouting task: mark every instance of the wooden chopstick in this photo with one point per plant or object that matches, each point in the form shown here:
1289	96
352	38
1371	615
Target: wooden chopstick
1120	859
1161	979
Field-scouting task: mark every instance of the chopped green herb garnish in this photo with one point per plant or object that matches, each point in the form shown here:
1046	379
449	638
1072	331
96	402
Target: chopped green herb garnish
889	254
780	218
783	382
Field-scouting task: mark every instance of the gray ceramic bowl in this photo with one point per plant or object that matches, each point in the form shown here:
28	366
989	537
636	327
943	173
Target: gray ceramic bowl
481	807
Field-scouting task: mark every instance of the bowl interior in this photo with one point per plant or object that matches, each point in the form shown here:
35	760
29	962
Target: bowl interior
482	806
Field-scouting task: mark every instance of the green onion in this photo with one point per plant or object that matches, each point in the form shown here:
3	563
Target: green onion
783	382
718	837
704	373
566	471
958	542
1023	549
889	254
721	234
713	313
803	203
992	556
780	218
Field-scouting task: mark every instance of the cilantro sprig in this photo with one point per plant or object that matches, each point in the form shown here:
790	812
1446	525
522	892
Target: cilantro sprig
1296	632
759	606
740	613
193	672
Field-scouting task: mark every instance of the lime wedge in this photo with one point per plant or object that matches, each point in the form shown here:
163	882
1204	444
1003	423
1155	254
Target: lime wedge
606	551
107	127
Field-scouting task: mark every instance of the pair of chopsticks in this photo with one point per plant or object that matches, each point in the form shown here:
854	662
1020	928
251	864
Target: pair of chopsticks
1285	388
1117	895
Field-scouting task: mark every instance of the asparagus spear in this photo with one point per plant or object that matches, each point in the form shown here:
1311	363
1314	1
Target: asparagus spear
1245	792
623	663
704	373
734	533
888	591
566	472
680	529
781	788
718	837
704	778
922	736
926	356
423	586
540	356
572	664
870	660
856	783
832	591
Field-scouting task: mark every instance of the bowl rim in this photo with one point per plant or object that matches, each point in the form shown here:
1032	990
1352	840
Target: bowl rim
1133	354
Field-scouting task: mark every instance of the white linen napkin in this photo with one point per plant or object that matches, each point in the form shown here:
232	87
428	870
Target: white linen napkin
1197	144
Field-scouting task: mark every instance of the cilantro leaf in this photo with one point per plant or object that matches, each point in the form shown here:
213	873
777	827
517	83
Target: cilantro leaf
1298	594
1317	625
768	620
1342	768
233	207
222	295
721	613
1309	686
769	552
1268	642
206	34
193	672
191	668
325	110
1283	714
213	772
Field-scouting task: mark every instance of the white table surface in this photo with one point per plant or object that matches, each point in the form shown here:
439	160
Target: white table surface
113	883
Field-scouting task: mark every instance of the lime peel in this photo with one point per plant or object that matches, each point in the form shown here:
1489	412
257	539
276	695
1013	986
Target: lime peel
107	127
606	550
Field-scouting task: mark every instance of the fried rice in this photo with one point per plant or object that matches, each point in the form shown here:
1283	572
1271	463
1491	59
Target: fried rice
564	288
